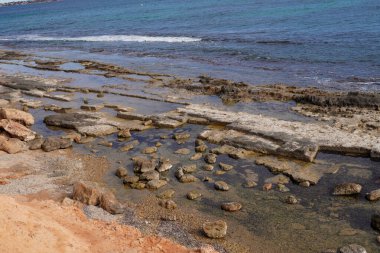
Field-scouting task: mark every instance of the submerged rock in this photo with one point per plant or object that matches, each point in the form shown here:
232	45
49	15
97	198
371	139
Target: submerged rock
221	186
193	195
375	221
231	206
373	195
347	189
215	230
149	150
181	136
156	183
183	151
196	156
121	172
352	248
210	158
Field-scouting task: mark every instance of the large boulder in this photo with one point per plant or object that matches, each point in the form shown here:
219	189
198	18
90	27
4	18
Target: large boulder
91	193
17	115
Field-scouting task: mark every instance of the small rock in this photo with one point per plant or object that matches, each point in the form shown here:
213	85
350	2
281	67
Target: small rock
347	189
352	248
164	165
267	186
121	172
210	158
282	188
142	164
150	175
278	179
208	167
138	185
156	183
149	150
36	143
17	115
124	133
375	221
305	184
291	199
187	178
215	230
193	195
130	179
373	195
168	204
17	130
181	136
106	143
225	167
187	169
196	156
54	143
167	194
199	142
231	206
220	172
158	144
201	148
249	184
182	151
221	186
208	179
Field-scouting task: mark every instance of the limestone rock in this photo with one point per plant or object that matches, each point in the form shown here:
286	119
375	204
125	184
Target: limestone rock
193	195
91	193
347	189
17	115
17	130
215	230
54	143
156	183
231	206
12	145
373	195
352	248
221	186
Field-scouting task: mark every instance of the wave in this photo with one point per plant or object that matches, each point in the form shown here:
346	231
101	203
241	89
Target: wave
103	38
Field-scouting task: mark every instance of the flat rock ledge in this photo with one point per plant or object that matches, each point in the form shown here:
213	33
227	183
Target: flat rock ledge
267	135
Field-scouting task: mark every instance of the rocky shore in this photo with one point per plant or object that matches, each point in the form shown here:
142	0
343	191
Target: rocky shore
158	148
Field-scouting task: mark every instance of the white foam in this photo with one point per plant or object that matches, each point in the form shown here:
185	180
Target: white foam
103	38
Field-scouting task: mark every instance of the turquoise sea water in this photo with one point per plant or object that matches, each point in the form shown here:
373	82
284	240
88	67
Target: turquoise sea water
330	43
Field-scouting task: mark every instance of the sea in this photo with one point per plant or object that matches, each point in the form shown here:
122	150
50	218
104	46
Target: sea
332	44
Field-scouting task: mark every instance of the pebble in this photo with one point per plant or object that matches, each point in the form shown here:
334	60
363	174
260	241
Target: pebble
249	184
189	168
193	195
130	179
352	248
207	179
158	144
231	206
150	175
201	148
221	186
210	158
220	172
225	167
188	179
216	229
